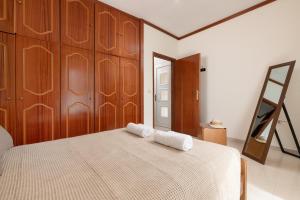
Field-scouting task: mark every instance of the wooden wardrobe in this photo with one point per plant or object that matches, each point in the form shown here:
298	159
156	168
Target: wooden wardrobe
117	71
67	68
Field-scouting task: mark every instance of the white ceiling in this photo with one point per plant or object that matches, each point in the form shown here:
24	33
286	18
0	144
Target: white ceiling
180	17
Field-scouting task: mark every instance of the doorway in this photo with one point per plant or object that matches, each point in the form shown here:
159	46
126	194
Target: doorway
162	84
176	95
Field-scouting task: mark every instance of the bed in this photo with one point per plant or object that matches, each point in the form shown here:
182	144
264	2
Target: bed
118	165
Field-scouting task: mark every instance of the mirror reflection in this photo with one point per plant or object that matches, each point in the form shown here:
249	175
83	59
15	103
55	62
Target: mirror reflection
279	74
262	123
273	92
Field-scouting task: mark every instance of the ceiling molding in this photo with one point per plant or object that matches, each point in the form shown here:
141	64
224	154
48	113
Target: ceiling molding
227	18
242	12
160	29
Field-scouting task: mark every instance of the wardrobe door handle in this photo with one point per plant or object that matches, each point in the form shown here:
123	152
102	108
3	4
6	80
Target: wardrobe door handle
21	98
8	98
19	2
197	95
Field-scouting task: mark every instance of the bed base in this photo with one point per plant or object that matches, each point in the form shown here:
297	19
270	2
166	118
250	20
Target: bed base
243	179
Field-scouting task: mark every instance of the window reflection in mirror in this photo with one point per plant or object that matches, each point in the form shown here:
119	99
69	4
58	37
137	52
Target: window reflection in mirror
273	92
279	74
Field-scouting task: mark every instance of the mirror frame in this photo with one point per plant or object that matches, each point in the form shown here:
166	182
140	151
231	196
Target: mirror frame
277	111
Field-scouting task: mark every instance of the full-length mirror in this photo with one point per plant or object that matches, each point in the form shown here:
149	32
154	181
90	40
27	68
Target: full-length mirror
267	111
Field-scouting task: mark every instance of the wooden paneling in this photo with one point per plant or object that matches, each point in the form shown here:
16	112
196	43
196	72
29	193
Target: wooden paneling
130	91
38	90
77	23
107	29
107	87
244	174
77	84
38	19
7	83
7	16
117	33
129	36
99	77
142	70
117	78
186	95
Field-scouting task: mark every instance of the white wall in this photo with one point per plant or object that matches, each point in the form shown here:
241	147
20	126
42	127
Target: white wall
154	41
237	53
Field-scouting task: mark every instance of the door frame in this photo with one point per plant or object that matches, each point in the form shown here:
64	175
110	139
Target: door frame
172	60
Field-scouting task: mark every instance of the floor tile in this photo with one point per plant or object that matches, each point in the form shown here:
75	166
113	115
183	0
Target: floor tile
278	179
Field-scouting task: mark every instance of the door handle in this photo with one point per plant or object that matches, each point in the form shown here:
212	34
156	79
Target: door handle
8	98
21	98
155	97
197	95
19	2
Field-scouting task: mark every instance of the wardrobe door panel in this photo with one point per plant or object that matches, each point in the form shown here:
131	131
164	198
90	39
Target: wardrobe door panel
129	36
77	92
7	16
130	91
38	90
107	29
77	23
7	83
107	92
38	19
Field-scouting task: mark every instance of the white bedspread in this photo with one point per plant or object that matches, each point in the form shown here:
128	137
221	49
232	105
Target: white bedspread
119	165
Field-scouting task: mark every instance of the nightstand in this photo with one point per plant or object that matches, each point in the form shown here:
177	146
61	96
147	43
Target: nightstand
215	135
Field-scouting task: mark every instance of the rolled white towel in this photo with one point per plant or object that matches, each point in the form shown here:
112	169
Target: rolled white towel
173	139
140	130
147	130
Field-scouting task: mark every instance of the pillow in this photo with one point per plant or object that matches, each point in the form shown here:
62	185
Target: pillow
6	143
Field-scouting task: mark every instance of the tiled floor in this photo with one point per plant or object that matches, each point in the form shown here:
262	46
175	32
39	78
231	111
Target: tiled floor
278	179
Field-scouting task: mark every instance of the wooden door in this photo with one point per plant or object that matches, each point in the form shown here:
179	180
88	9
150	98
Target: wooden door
107	29
38	19
130	91
38	90
107	87
129	36
77	23
77	90
7	83
7	16
186	97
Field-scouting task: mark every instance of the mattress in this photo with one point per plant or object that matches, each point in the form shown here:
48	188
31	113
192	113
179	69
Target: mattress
118	165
